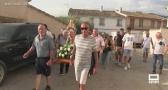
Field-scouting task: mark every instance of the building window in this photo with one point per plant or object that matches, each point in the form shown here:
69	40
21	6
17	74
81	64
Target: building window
132	23
164	24
119	22
140	22
102	21
158	24
152	24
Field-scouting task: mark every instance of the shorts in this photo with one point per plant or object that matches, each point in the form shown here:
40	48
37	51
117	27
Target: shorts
127	53
81	75
145	50
42	67
118	51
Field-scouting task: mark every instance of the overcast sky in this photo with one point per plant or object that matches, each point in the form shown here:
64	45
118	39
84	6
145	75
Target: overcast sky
61	7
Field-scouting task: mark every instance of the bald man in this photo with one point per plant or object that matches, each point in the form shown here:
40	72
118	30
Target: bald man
159	51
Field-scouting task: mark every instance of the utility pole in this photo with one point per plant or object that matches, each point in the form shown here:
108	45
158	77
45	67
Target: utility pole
167	16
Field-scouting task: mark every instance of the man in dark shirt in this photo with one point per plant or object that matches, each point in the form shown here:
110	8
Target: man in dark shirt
118	46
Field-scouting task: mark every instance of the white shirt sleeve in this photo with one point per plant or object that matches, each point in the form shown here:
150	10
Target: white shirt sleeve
124	38
165	42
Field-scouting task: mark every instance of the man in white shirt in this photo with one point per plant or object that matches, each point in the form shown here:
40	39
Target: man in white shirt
128	41
159	50
146	46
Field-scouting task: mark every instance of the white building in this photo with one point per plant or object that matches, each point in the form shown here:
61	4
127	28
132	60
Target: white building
111	21
104	21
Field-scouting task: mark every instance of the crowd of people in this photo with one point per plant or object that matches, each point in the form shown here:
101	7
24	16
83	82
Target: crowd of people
89	49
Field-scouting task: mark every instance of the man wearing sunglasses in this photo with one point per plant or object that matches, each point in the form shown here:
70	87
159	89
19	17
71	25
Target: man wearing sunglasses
84	45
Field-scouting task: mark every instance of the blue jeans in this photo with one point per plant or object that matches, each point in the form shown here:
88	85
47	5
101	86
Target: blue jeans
161	61
105	57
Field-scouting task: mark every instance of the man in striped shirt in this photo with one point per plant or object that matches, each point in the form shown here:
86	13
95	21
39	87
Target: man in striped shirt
84	45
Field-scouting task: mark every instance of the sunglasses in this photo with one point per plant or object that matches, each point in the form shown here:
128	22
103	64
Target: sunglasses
84	28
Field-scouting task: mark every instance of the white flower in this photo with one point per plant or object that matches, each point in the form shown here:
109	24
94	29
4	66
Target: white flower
61	48
63	55
59	54
69	49
66	53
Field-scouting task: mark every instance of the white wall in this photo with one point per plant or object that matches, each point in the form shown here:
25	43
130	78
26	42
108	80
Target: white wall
167	22
85	18
110	24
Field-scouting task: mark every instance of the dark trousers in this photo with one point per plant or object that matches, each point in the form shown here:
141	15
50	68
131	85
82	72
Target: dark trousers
93	63
62	65
104	57
161	61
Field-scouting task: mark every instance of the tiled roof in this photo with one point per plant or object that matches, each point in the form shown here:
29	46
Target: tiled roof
87	12
142	15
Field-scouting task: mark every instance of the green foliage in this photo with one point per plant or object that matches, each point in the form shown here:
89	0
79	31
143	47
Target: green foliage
64	19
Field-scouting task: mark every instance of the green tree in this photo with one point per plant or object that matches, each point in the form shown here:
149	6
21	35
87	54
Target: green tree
64	19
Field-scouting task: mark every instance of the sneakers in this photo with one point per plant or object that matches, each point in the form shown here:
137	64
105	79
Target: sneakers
126	68
153	72
48	88
61	74
128	65
118	63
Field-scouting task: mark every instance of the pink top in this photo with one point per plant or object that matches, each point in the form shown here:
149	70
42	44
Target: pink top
99	42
